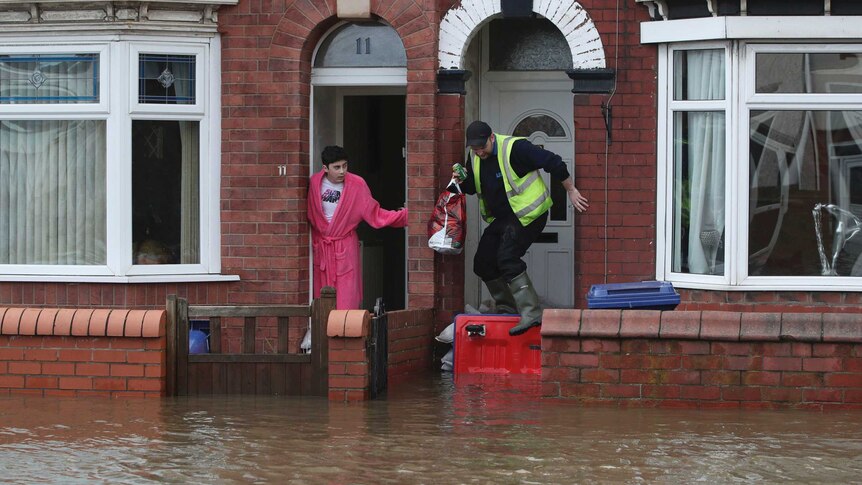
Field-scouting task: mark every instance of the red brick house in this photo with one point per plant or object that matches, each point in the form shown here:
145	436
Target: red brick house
150	148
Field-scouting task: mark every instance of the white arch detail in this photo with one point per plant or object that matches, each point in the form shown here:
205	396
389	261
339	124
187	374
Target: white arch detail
463	22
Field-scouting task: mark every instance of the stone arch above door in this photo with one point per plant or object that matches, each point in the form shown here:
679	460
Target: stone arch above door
463	22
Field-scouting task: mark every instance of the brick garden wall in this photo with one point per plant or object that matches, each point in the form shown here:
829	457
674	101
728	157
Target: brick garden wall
69	352
410	346
411	342
703	359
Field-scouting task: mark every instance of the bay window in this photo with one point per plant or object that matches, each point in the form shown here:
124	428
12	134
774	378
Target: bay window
108	160
761	184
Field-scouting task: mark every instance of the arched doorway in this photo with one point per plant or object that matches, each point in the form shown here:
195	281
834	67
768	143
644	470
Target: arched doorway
359	80
518	65
522	89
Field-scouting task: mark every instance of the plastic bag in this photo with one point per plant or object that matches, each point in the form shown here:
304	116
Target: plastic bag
447	226
447	336
305	346
448	361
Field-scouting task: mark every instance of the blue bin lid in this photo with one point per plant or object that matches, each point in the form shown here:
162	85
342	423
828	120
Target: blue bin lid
633	295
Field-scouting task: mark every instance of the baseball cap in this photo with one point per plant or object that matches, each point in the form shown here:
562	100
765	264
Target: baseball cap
478	133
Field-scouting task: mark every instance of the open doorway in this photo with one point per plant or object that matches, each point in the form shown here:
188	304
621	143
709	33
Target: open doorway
374	132
370	123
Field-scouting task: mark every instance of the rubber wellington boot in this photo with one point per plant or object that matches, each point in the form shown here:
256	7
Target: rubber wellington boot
503	300
528	304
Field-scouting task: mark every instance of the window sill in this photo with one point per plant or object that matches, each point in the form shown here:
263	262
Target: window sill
809	288
161	278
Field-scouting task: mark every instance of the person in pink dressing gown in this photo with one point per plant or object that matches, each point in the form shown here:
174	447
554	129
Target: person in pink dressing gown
337	202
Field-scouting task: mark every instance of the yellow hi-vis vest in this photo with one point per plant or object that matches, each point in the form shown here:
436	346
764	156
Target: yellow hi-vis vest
528	195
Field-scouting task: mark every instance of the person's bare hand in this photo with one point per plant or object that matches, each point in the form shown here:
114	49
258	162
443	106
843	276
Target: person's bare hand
579	201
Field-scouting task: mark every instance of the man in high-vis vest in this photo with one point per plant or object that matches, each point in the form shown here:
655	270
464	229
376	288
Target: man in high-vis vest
514	200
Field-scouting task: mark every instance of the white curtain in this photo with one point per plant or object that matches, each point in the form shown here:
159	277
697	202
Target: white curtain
52	175
705	154
190	196
189	156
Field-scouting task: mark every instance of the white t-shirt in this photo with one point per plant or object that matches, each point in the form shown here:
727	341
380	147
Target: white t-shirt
330	194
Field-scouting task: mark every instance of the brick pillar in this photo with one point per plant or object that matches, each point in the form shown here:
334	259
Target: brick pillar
349	364
450	142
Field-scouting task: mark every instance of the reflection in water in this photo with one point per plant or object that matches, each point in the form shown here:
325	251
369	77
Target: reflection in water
433	430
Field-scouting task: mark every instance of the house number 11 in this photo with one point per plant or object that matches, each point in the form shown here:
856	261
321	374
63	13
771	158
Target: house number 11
367	45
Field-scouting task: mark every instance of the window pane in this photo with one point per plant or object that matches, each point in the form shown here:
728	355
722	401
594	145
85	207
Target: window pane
49	78
698	192
362	44
165	192
52	192
539	122
527	45
832	72
166	79
698	75
803	220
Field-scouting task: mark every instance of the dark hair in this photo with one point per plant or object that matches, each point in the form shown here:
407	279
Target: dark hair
333	153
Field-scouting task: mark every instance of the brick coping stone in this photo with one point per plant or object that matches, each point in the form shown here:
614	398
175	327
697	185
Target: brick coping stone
703	325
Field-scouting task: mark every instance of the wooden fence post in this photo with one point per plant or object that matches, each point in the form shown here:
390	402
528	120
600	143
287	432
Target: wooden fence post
182	347
171	346
319	341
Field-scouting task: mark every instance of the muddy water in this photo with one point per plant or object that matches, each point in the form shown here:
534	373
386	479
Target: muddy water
433	431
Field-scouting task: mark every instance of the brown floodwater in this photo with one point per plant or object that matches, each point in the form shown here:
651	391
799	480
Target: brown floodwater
432	430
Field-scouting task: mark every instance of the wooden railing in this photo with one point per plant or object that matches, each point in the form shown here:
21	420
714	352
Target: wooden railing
248	372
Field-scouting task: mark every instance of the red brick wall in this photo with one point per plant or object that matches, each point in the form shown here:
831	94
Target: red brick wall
82	366
703	359
411	342
348	369
266	68
82	352
410	347
140	295
449	278
619	178
770	301
266	65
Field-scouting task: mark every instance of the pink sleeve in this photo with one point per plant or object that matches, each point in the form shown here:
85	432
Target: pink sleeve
377	217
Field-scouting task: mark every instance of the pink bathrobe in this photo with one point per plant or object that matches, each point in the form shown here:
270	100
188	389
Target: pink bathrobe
336	245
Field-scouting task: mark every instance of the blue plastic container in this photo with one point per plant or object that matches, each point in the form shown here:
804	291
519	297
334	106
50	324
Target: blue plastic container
644	295
199	337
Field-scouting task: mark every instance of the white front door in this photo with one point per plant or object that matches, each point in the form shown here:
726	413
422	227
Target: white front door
538	105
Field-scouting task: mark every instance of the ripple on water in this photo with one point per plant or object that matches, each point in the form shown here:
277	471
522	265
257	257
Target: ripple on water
432	430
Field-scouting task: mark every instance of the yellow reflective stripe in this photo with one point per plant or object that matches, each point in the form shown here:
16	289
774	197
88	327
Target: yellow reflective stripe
527	181
535	205
516	187
503	151
520	189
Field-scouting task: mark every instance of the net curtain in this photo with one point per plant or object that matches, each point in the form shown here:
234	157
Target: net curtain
52	180
705	153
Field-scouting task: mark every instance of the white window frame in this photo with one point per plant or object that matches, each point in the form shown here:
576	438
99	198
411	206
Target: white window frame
741	99
118	106
200	54
83	111
668	107
784	101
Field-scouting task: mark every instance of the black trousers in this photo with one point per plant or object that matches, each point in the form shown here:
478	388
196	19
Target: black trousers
503	244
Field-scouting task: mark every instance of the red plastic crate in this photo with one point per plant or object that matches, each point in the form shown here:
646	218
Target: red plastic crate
483	345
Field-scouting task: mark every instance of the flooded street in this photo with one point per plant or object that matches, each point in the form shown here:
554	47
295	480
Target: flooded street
433	431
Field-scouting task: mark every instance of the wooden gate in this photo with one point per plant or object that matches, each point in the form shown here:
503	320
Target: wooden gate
281	372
